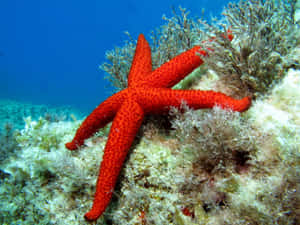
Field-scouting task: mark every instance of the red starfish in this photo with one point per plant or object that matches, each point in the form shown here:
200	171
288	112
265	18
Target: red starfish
148	92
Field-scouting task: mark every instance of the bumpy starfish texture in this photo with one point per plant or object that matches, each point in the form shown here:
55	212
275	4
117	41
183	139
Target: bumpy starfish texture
148	92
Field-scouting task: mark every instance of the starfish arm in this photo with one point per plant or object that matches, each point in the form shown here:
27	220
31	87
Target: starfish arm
171	72
102	115
141	64
159	100
122	133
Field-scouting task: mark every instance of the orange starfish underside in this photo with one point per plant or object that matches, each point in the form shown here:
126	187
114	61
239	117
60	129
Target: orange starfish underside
148	92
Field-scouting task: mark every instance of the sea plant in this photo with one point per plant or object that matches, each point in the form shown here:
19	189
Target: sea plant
265	37
177	35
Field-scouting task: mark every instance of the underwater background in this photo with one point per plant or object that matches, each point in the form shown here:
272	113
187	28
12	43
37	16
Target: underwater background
51	50
60	59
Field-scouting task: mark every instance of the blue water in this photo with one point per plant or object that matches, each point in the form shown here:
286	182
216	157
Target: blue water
50	51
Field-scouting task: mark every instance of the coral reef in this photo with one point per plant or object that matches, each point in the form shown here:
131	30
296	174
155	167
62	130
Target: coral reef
214	168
